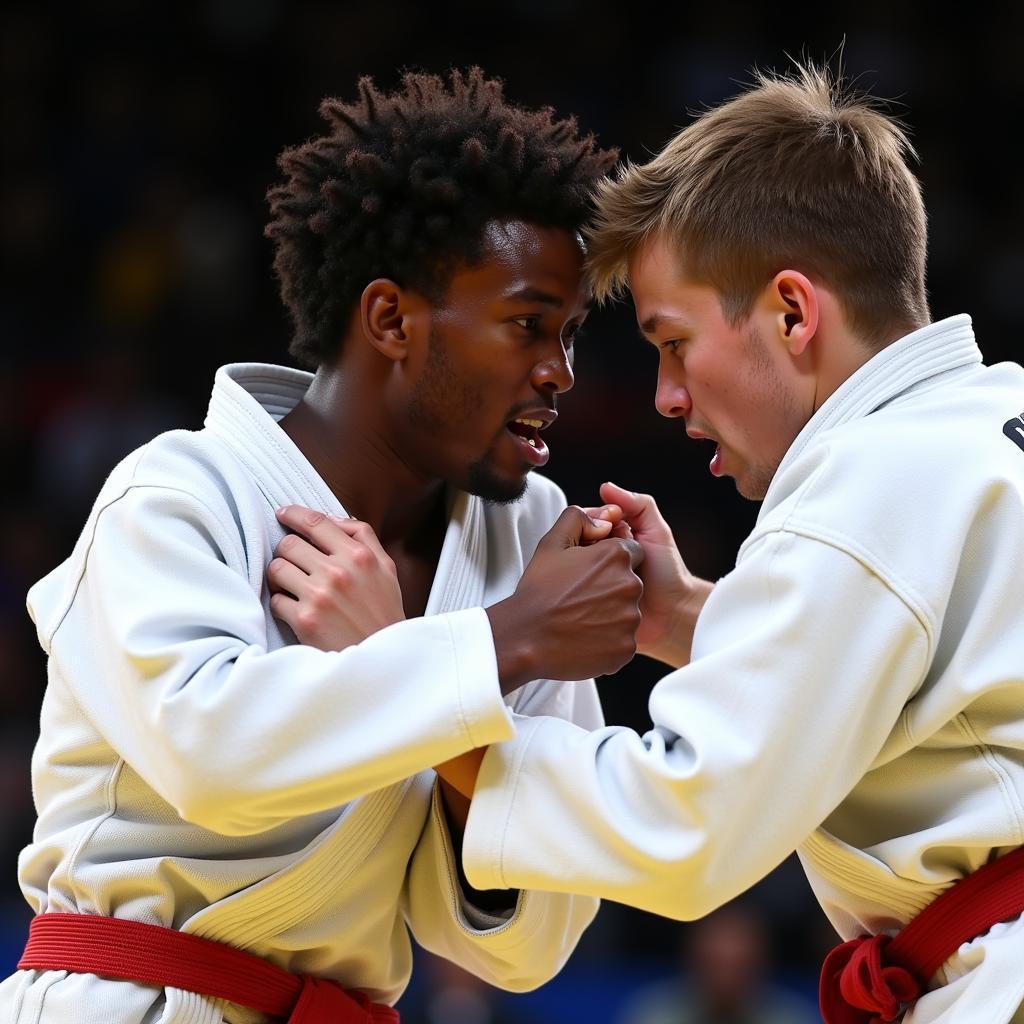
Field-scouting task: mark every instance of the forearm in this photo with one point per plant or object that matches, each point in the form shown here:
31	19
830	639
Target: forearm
674	648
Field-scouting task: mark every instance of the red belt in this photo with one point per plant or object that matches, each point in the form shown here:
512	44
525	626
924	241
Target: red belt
151	955
871	980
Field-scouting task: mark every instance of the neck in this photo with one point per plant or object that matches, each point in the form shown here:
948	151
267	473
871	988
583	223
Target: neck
844	353
338	426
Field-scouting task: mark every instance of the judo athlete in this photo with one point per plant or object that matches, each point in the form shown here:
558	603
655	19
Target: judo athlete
235	825
853	689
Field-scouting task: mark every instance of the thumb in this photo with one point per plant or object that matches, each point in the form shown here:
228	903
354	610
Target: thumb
640	511
573	528
632	504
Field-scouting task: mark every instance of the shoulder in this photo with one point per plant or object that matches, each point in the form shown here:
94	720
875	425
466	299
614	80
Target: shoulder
180	478
908	489
944	445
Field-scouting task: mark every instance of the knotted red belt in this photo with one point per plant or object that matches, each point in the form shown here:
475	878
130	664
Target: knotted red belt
147	953
871	980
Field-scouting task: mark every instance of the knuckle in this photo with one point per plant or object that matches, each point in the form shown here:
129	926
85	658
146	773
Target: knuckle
362	558
288	542
305	621
338	575
311	518
320	598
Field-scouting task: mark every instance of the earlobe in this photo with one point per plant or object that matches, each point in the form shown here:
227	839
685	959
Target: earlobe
382	309
796	309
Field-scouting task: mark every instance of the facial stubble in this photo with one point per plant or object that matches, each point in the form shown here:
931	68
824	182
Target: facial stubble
777	398
442	398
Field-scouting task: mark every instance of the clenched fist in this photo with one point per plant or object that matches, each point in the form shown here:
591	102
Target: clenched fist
576	610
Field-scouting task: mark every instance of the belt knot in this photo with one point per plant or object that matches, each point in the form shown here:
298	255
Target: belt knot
859	987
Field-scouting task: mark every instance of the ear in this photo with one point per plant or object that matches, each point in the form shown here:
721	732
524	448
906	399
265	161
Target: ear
793	300
386	315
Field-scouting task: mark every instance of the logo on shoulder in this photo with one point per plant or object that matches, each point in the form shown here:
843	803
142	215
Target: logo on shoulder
1014	430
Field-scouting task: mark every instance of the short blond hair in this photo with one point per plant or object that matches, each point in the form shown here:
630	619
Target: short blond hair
797	172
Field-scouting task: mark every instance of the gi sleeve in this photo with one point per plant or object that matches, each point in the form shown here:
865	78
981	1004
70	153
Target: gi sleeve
803	662
527	945
164	645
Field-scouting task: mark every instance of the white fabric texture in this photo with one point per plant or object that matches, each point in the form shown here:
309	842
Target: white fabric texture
855	690
199	769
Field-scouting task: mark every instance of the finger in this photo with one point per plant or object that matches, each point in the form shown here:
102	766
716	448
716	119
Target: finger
612	513
595	529
631	503
639	509
315	526
283	575
362	532
622	531
284	609
568	529
300	552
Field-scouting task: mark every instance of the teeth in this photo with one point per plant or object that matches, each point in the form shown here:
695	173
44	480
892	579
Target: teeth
536	424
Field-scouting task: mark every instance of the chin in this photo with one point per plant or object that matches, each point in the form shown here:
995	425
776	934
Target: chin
499	490
754	484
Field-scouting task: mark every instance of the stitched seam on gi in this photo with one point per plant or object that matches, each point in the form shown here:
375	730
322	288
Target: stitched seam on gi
110	795
459	707
998	772
270	906
70	598
241	407
448	848
516	775
851	547
45	980
215	527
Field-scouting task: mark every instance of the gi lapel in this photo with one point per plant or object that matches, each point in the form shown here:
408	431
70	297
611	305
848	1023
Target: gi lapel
462	568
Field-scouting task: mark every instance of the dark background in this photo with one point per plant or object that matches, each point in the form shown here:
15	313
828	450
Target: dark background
137	143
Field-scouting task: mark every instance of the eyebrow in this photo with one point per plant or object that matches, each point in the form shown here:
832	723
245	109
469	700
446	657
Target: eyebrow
656	320
530	294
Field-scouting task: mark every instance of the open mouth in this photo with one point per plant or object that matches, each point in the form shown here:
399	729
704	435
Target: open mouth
716	459
525	433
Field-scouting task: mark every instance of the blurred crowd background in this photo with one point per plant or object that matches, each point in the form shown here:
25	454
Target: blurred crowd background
138	140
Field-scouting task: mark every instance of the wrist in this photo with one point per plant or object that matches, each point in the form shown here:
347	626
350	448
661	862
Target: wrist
674	647
515	646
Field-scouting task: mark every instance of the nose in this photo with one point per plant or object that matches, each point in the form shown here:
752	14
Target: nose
554	372
671	398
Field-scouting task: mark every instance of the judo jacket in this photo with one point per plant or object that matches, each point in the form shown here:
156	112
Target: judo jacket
199	769
855	690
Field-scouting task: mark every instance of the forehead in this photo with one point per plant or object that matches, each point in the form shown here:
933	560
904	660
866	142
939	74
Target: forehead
516	255
661	289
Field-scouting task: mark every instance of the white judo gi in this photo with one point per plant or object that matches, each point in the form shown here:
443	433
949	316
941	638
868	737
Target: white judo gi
200	770
856	690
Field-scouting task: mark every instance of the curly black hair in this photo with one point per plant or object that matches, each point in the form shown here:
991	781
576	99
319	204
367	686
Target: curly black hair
402	187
